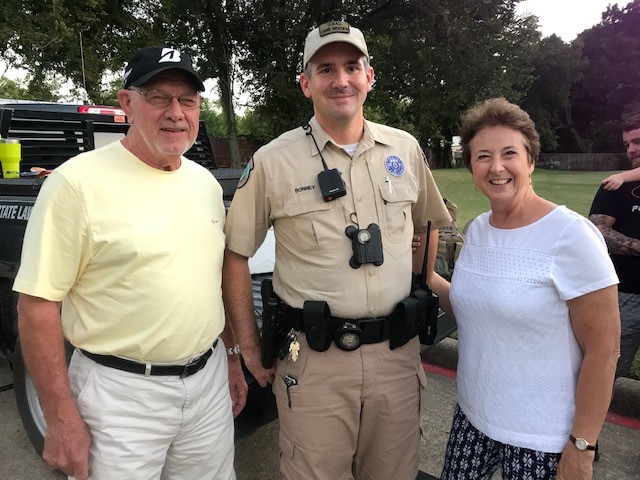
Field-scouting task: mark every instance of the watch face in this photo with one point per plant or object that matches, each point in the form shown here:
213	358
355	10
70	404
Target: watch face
581	444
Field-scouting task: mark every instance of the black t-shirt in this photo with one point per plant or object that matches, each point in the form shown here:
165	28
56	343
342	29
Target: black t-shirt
623	205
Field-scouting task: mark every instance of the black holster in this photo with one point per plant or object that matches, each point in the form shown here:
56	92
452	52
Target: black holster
318	326
415	315
272	322
404	323
428	315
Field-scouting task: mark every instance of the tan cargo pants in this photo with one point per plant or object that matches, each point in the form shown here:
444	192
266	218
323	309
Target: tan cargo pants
350	413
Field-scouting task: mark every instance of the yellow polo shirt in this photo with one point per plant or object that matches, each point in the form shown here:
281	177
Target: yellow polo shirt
134	253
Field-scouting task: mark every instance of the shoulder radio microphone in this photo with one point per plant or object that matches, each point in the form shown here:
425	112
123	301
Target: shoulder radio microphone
330	179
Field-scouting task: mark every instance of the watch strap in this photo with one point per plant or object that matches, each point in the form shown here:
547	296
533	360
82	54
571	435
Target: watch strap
577	441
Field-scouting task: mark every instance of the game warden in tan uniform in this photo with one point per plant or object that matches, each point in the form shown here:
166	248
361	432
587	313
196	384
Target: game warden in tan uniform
340	411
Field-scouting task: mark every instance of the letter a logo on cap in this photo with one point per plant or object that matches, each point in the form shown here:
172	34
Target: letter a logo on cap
169	55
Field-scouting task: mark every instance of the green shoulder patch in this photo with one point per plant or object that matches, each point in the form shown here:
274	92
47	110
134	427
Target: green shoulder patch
245	175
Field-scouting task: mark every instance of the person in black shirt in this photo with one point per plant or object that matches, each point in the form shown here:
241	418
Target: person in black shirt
616	213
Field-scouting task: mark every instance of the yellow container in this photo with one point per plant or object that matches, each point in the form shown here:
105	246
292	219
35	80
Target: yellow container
10	155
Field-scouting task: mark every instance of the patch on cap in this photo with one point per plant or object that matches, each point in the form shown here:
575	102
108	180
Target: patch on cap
333	32
333	27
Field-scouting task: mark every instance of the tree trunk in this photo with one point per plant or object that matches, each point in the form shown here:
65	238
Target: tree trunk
583	145
442	155
225	86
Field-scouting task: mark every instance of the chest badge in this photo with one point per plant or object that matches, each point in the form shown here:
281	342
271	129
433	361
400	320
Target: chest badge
394	165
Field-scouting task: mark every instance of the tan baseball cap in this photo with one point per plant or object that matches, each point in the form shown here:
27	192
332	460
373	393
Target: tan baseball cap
332	32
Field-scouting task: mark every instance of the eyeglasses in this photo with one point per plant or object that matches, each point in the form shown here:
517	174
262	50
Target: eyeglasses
162	99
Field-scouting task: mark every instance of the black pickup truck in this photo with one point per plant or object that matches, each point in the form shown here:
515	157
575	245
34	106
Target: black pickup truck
51	134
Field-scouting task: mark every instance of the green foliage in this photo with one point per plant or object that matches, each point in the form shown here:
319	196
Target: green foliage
557	66
11	89
433	59
37	89
212	116
610	84
80	39
255	127
449	69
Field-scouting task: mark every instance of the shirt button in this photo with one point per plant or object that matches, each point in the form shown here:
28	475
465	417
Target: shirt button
374	310
360	199
372	273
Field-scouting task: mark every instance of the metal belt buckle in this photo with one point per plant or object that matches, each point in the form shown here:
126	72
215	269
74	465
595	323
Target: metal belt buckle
348	336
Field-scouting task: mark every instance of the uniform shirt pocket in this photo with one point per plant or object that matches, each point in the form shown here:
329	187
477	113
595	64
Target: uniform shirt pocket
310	223
398	200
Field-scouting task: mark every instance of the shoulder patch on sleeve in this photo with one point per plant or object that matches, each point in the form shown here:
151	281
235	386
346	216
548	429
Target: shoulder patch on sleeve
245	175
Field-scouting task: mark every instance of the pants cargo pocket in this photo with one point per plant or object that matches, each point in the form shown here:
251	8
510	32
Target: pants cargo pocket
289	461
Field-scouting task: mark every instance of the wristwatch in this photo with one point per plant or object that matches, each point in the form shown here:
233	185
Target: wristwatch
233	350
581	444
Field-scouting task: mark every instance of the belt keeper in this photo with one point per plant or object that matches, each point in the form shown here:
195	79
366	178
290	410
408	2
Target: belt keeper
147	369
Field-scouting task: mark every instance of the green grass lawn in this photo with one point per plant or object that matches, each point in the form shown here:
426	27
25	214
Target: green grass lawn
573	189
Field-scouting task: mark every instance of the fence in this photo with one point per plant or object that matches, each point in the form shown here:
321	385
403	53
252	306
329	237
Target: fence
222	155
594	162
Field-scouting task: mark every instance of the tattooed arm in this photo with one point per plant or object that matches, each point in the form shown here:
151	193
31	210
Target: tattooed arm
616	242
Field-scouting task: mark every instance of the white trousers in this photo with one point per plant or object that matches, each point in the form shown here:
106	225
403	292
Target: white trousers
156	427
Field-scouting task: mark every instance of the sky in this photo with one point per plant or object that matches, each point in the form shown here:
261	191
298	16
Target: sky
567	18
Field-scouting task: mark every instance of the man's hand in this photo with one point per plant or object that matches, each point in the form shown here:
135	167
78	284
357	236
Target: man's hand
415	242
613	182
66	445
237	385
574	464
254	364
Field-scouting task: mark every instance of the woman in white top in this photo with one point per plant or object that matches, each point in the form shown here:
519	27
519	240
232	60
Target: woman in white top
534	294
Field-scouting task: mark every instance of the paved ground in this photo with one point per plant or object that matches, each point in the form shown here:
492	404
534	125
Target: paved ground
257	456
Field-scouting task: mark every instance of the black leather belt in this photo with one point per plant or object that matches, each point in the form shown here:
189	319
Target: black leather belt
181	371
374	330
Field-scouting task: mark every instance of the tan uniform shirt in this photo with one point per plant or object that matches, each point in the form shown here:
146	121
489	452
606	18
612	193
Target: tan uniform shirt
388	183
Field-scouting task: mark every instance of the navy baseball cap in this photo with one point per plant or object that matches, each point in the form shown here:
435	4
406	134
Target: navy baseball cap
148	62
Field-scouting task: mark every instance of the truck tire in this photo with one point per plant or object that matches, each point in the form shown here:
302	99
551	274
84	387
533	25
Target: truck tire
8	316
27	399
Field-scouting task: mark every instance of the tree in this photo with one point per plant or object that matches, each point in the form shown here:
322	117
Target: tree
557	66
214	119
610	84
37	89
12	89
462	51
271	58
216	24
79	39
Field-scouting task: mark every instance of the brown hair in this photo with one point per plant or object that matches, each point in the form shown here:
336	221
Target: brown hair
498	112
631	123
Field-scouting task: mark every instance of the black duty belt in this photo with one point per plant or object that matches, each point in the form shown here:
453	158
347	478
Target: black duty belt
374	330
181	371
